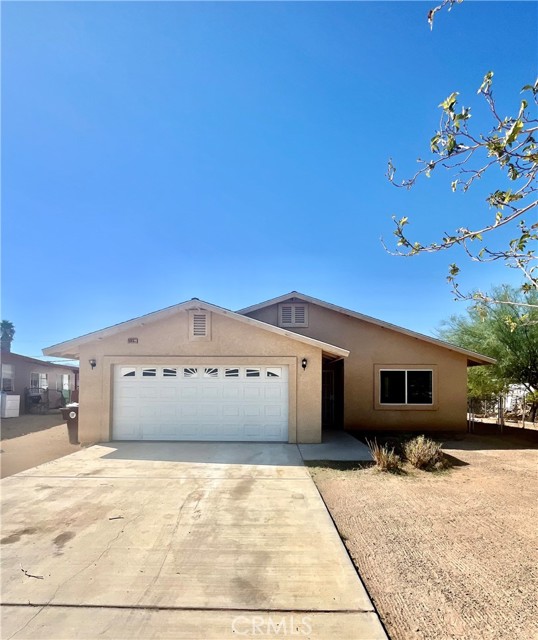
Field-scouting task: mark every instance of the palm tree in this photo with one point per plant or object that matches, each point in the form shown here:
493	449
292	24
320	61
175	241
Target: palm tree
7	333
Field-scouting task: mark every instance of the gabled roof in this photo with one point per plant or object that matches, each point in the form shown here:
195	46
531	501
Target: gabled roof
473	358
70	348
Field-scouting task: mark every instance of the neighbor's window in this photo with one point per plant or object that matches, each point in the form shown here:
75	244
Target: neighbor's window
8	378
62	382
406	386
39	381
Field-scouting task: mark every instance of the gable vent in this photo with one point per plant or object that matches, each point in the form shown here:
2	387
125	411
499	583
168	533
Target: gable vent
286	314
300	314
199	325
293	315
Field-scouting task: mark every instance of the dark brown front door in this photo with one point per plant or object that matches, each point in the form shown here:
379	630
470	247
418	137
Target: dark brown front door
332	395
327	399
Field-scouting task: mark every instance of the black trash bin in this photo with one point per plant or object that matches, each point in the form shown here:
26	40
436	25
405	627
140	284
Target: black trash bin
70	415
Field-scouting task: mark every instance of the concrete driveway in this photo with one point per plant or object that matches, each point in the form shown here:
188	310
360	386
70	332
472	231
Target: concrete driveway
176	540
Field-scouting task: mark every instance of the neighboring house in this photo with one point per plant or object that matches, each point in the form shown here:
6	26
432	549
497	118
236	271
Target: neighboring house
282	370
20	373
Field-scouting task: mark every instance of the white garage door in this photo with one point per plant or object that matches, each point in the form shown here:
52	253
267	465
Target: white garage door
200	402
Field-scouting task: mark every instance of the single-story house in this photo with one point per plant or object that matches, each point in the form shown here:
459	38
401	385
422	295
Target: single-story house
282	370
21	373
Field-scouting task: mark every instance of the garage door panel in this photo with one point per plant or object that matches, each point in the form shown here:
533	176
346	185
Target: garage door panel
168	393
128	391
273	411
231	392
272	393
209	392
252	392
188	391
148	393
200	403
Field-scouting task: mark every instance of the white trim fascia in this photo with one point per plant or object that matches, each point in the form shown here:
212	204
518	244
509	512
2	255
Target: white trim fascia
71	347
472	355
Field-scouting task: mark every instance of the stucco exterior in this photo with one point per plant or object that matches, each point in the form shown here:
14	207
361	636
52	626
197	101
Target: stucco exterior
166	341
372	346
344	353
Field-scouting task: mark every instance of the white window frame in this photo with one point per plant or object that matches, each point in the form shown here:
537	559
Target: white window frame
8	373
294	306
41	377
63	382
193	336
406	403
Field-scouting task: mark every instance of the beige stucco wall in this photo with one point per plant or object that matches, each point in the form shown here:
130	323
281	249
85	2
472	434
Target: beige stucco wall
166	341
370	347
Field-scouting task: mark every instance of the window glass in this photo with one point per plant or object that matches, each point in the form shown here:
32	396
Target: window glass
7	377
231	373
169	372
392	387
274	372
190	372
419	387
128	372
149	373
211	372
39	380
62	382
253	373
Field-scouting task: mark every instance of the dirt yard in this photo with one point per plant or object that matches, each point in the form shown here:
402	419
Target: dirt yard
30	440
450	554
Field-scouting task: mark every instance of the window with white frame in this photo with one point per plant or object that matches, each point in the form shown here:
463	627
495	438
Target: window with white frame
199	325
39	380
293	314
406	386
62	382
8	377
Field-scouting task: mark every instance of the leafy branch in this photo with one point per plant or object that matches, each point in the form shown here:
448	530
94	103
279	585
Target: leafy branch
511	146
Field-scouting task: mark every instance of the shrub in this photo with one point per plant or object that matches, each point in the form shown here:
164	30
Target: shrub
385	458
424	453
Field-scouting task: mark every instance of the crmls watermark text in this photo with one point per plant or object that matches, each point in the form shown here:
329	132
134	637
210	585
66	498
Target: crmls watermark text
272	625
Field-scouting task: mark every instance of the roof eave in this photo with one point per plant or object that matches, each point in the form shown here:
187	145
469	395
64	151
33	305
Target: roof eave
71	348
473	359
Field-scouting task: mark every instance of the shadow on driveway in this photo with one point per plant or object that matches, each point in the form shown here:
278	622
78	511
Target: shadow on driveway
242	453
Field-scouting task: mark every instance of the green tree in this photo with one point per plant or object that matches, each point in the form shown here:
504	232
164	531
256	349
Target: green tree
507	150
7	333
500	333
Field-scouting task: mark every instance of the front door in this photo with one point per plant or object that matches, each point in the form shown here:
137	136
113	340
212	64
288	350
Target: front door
332	394
327	399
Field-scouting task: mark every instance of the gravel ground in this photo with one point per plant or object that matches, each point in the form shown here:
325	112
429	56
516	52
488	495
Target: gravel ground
450	554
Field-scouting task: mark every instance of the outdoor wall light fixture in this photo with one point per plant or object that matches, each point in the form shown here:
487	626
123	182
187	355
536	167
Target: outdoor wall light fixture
304	363
92	362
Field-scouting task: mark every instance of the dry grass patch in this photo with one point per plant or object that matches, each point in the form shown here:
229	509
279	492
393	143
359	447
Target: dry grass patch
385	459
424	453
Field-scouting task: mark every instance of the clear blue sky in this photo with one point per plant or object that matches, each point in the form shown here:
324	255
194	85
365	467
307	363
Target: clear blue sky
155	152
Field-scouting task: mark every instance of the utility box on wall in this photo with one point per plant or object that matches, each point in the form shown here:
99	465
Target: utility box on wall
10	405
